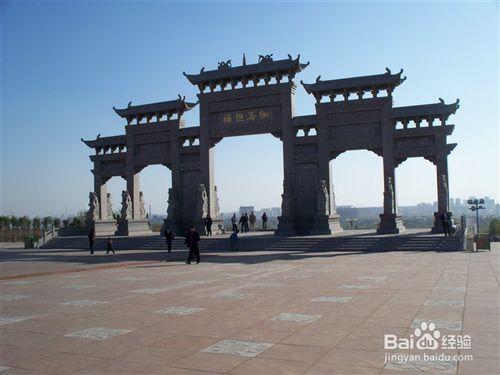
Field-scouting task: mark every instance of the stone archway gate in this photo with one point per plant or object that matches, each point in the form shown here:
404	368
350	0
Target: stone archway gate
351	114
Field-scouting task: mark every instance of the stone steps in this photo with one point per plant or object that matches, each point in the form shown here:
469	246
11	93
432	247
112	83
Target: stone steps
361	243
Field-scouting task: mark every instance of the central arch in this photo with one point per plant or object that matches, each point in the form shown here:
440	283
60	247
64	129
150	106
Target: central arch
249	172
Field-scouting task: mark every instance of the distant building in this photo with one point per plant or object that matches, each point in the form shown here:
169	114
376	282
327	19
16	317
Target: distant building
246	209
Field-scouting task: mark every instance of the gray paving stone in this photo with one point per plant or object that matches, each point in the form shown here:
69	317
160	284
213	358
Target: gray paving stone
231	294
374	278
238	348
331	299
98	333
180	310
12	297
13	319
350	286
451	325
19	282
449	289
444	302
291	317
83	303
80	286
131	278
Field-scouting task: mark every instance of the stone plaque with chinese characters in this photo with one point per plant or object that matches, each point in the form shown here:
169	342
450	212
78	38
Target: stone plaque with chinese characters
245	122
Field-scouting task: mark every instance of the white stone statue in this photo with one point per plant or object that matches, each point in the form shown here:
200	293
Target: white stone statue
142	207
202	202
323	199
93	212
389	194
217	207
172	203
444	182
126	213
109	206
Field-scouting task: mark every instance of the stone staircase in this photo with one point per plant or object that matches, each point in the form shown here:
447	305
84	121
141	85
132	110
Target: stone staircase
348	242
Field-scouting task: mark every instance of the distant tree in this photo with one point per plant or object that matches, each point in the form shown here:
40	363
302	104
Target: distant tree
79	220
14	222
24	222
36	223
47	222
57	222
4	222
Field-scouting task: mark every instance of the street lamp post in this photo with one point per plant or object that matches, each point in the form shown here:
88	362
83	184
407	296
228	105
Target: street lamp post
476	205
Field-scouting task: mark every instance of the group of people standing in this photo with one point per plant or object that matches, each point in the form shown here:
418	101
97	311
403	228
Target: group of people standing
247	222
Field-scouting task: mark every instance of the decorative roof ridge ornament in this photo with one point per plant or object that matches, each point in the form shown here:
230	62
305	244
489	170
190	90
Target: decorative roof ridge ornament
265	58
244	59
224	65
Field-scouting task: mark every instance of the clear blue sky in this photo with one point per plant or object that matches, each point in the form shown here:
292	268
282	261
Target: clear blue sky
65	65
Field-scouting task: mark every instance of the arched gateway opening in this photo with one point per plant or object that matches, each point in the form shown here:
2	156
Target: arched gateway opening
248	176
351	114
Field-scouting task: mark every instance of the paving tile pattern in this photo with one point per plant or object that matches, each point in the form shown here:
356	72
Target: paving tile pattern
288	310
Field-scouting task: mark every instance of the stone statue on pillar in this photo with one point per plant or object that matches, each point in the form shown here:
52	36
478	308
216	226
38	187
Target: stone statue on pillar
389	195
93	212
202	201
323	199
172	204
217	207
126	212
109	206
444	184
142	207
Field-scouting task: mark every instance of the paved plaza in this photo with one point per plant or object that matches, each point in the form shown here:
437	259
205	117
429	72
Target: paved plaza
284	311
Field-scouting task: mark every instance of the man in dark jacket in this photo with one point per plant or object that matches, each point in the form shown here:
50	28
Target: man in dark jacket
169	237
91	241
208	225
110	246
445	222
192	239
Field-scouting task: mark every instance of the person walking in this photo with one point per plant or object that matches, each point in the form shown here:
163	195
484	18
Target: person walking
252	220
110	246
208	225
233	239
91	241
169	237
242	223
264	221
233	222
246	222
445	224
192	240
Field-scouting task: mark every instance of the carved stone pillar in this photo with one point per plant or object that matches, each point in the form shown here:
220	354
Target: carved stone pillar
390	221
443	194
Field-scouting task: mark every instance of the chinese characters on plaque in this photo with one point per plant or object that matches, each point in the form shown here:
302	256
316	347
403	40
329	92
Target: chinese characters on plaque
246	116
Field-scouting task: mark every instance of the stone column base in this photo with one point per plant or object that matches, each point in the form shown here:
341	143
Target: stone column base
390	224
286	226
133	227
438	224
105	227
328	224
